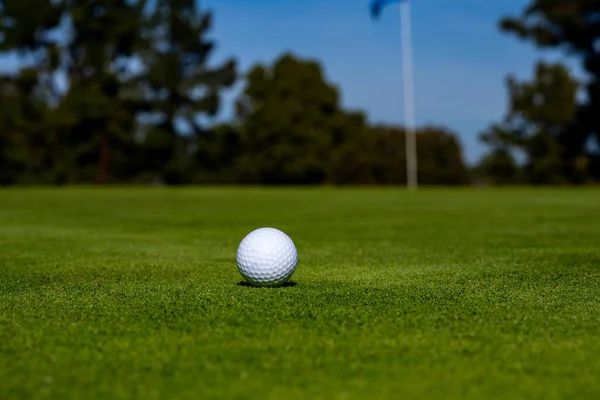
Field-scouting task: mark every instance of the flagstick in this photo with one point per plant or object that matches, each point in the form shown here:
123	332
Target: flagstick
409	107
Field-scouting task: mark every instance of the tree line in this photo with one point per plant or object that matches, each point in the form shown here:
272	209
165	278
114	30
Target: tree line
551	131
125	91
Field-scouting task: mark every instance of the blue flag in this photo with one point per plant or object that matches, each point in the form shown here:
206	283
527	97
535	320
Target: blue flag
378	5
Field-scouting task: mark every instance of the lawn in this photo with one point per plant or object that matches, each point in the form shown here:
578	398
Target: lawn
133	293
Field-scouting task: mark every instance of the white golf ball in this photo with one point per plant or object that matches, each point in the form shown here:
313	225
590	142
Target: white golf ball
267	257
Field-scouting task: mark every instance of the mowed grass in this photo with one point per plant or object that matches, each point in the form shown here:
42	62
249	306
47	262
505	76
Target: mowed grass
133	293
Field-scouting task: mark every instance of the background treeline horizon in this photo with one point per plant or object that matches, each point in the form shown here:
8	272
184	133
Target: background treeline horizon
125	91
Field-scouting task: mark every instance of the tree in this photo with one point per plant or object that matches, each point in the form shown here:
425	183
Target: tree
353	155
95	121
18	115
440	156
574	27
25	96
499	168
293	130
441	160
389	164
130	67
87	121
540	125
217	154
290	121
179	83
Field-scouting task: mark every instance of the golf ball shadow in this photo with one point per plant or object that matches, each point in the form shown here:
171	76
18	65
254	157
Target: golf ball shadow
283	285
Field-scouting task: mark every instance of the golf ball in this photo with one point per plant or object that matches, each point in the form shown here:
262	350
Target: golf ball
267	257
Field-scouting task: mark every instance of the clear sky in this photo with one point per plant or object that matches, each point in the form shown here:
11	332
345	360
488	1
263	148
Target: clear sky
460	57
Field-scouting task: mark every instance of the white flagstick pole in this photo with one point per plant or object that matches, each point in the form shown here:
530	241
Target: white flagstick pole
409	106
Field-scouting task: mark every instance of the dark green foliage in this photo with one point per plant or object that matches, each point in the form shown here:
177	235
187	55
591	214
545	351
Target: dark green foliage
574	27
499	168
24	145
440	157
540	125
139	91
291	122
218	154
96	124
356	153
177	82
124	61
294	130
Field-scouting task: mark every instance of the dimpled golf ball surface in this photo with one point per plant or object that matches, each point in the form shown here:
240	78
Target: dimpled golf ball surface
267	257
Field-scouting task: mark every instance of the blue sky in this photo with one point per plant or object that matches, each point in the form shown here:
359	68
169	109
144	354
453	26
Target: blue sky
460	57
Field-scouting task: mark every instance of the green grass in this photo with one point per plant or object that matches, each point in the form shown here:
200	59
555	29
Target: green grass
133	293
